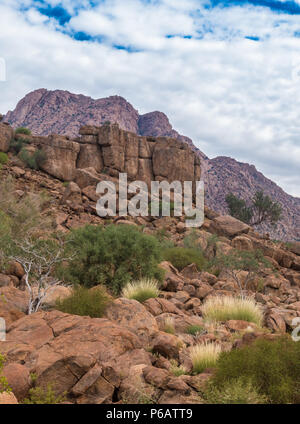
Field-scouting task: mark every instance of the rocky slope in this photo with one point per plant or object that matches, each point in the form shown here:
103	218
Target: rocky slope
47	112
127	356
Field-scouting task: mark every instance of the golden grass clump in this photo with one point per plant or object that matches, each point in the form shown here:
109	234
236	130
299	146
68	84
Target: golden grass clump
224	308
204	355
141	290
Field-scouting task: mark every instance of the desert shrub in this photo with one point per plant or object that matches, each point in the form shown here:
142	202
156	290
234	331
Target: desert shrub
194	329
180	257
113	256
177	370
3	158
23	130
204	355
34	160
224	308
4	387
169	326
41	396
85	302
17	144
191	241
236	391
273	367
141	290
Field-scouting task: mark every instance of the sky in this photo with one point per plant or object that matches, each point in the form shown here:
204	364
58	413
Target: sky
227	73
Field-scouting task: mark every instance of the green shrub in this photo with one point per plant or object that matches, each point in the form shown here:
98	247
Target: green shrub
273	367
233	392
224	308
40	396
177	370
34	160
23	130
194	329
141	290
85	302
204	355
4	387
3	158
112	256
180	257
16	145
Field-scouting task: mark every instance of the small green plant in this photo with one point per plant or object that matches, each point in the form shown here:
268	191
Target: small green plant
193	330
236	391
177	370
41	396
16	145
141	290
169	326
3	158
4	387
204	355
180	257
85	302
273	367
224	308
23	130
191	240
140	393
66	183
34	160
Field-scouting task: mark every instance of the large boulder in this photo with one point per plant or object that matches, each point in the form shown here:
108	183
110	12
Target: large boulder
133	316
228	226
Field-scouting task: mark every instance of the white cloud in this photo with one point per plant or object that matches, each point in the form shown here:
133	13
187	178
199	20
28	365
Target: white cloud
231	95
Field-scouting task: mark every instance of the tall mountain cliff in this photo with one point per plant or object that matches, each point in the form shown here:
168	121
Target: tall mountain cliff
61	112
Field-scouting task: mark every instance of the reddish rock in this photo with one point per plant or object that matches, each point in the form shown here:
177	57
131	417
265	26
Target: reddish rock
18	379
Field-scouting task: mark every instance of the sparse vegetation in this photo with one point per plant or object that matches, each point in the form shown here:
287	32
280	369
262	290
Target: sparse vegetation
85	302
273	368
169	326
112	256
23	130
236	391
262	209
3	158
204	355
41	396
18	144
141	290
194	330
237	262
180	257
177	370
33	160
4	387
224	308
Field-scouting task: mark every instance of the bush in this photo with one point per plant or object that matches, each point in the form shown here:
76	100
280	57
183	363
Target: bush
272	366
85	302
23	130
16	145
3	158
177	370
34	160
236	391
194	329
40	396
4	387
204	356
141	290
113	256
180	257
224	308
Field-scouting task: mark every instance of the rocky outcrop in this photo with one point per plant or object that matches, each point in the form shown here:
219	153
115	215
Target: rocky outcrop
47	112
